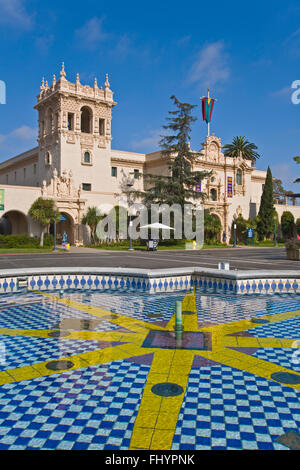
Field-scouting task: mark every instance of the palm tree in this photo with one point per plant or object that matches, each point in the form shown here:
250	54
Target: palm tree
42	210
241	146
92	218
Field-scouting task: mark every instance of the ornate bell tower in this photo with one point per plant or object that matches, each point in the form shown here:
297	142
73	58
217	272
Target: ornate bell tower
75	132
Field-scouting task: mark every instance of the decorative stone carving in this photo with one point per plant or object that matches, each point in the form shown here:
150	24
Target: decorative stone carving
61	187
102	142
213	152
86	139
238	211
70	138
44	188
212	149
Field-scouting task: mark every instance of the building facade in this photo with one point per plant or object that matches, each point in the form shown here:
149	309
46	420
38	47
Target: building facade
75	165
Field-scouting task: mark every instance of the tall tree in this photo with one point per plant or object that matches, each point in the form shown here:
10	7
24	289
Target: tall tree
179	186
287	224
42	210
267	213
92	218
241	146
297	160
278	187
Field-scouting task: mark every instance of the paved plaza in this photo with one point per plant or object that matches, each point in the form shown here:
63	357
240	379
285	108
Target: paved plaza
239	258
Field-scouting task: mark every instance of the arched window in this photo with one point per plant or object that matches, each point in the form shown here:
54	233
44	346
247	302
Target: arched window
86	120
239	176
87	157
213	194
48	158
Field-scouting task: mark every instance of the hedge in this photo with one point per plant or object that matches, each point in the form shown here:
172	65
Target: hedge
24	241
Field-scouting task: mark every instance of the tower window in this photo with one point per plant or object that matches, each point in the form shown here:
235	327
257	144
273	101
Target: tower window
114	171
213	194
87	157
239	176
48	158
24	173
136	174
86	120
101	126
86	186
70	121
34	168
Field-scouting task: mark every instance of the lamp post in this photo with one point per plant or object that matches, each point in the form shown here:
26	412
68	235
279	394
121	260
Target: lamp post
55	212
275	236
234	235
129	185
130	231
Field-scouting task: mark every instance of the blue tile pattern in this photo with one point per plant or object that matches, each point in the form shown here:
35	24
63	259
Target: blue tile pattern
217	308
285	357
96	407
206	282
143	306
87	409
283	329
226	408
19	351
43	315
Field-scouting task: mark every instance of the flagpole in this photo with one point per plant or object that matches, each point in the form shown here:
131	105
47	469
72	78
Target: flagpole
208	124
207	105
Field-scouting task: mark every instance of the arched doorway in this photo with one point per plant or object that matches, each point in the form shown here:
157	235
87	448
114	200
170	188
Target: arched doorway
219	227
212	227
13	223
65	225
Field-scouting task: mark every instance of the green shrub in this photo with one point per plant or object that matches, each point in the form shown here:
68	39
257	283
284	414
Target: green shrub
48	240
287	224
18	241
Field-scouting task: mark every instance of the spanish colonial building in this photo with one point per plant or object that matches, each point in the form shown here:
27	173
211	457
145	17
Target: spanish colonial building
75	165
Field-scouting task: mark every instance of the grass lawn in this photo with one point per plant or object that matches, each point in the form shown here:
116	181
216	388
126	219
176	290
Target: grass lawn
268	244
26	250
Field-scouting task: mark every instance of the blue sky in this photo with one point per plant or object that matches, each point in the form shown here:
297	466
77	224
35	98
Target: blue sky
247	53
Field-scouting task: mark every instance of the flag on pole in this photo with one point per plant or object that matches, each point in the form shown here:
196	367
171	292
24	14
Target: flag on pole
207	108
